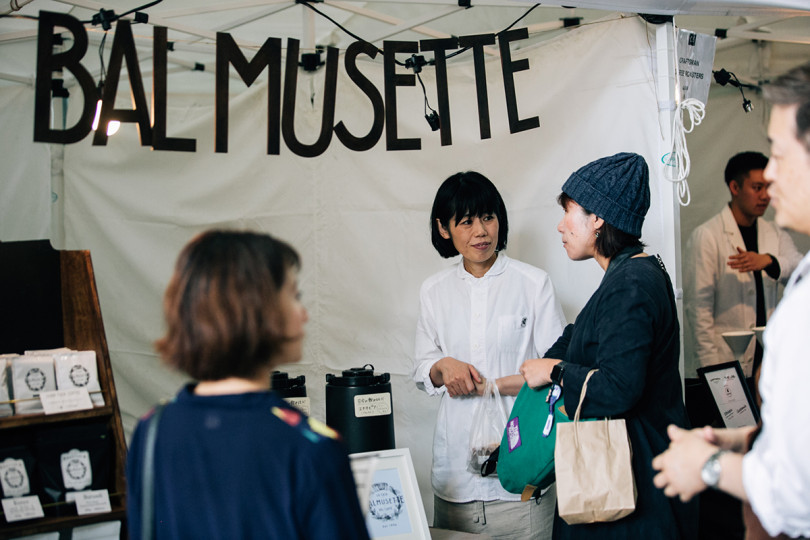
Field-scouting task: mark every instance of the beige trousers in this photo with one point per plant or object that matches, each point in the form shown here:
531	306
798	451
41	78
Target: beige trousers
499	519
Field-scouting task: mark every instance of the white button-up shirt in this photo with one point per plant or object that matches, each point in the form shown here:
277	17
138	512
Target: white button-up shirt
776	472
494	322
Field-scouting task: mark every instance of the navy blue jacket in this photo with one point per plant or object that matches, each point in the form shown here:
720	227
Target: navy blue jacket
629	331
244	466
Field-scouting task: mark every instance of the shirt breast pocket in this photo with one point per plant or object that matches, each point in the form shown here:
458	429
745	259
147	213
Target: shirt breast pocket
513	332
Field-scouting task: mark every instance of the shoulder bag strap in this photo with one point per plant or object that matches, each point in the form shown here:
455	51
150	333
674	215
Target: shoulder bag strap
148	476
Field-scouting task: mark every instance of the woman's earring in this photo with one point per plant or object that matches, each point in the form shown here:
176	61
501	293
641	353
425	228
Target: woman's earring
597	234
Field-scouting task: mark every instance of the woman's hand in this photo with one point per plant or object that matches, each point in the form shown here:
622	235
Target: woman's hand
537	371
459	378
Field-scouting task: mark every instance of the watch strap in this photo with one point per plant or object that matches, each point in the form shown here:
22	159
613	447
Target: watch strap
557	373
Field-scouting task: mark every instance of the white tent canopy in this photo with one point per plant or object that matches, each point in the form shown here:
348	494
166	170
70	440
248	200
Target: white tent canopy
599	82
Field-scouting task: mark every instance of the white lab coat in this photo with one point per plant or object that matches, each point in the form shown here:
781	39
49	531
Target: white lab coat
720	299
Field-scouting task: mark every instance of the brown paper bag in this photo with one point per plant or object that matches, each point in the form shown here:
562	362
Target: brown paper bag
594	470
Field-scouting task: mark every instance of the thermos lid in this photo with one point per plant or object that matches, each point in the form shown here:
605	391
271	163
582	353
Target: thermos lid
281	381
363	376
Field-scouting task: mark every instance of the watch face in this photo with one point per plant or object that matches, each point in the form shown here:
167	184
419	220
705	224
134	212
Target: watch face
710	473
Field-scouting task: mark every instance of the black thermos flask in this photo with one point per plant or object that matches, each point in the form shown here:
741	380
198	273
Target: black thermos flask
360	408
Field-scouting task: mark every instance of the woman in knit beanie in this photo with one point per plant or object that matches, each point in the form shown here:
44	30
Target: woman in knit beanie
629	331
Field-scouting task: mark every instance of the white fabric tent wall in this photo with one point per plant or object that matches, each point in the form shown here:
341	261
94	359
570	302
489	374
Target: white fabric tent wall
360	220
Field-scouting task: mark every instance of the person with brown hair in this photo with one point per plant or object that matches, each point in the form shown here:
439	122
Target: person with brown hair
231	458
773	476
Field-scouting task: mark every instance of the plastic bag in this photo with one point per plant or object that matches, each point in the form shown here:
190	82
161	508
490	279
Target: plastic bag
488	423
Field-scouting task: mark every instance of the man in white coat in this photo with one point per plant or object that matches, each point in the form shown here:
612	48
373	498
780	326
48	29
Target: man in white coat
736	262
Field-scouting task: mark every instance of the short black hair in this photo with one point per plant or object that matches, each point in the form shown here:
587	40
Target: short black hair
466	194
611	241
740	165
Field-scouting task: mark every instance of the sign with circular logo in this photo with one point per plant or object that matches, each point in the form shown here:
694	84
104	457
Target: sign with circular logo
385	503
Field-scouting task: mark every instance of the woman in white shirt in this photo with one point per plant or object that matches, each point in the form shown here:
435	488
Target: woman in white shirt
479	319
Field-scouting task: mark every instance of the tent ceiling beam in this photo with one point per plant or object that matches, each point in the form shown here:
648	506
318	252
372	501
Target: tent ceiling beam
781	37
308	30
223	6
758	30
253	17
415	23
23	35
158	21
397	22
17	78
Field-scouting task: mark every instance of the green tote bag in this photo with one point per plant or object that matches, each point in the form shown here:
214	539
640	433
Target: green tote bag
526	455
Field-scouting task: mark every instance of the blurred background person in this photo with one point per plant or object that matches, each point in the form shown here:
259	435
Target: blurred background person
231	458
736	262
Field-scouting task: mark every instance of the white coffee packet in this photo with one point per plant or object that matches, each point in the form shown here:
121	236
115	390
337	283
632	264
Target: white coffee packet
78	369
77	470
6	407
47	352
14	478
31	375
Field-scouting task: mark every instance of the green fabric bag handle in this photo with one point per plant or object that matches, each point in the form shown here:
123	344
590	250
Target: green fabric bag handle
526	457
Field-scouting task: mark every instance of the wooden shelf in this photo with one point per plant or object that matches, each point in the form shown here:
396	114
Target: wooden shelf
56	305
41	419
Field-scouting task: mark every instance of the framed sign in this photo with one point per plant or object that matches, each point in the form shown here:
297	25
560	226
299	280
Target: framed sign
389	495
727	386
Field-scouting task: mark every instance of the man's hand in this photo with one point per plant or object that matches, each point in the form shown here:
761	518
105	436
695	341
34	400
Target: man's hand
749	261
681	463
460	378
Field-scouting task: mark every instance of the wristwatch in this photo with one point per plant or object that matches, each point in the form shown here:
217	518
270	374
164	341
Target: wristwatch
710	473
557	373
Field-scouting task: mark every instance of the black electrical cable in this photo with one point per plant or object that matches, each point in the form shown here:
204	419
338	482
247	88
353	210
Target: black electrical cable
116	17
358	38
103	72
141	8
432	118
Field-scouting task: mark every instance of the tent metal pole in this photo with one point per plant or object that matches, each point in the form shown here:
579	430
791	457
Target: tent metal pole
668	100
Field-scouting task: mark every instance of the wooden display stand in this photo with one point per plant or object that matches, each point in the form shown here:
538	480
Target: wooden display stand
48	299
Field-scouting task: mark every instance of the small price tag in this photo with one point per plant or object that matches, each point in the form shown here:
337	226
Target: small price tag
92	502
22	508
60	401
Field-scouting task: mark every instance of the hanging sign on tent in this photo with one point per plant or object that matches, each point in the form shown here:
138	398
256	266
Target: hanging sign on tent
695	61
152	125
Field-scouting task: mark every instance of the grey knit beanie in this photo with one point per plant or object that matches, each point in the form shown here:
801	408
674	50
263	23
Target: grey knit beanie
615	188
